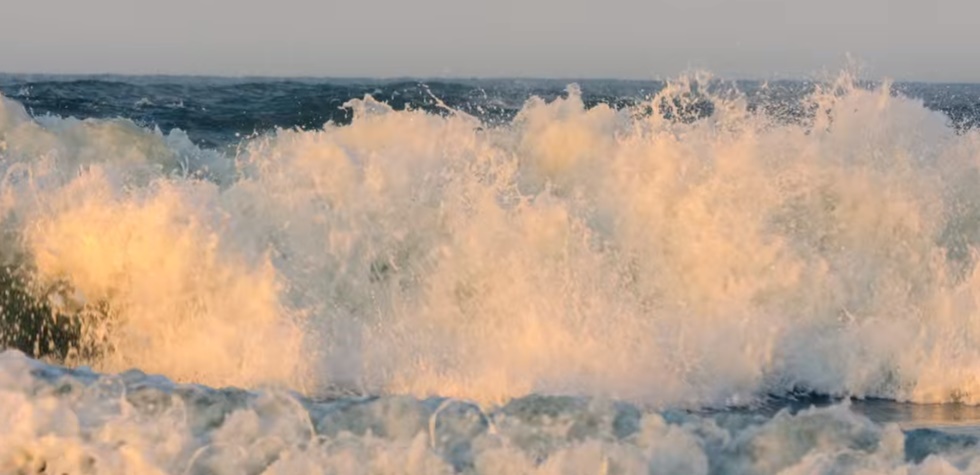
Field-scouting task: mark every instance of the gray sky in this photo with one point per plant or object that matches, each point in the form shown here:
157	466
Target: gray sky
901	39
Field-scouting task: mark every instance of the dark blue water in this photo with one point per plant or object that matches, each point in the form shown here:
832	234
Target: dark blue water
217	112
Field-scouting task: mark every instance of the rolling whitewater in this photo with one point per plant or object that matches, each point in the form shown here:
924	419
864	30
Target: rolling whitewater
281	276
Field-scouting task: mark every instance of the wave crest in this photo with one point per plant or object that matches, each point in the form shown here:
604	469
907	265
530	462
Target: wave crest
704	254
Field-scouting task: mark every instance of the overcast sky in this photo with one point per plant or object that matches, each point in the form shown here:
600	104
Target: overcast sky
903	39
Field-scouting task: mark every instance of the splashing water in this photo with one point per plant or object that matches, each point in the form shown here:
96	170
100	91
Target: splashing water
705	256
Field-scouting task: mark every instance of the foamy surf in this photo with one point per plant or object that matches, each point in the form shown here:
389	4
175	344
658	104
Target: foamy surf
576	266
61	421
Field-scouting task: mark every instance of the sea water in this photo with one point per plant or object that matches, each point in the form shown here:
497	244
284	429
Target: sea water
361	276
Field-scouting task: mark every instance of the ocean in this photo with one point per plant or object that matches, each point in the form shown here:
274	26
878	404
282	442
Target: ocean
512	276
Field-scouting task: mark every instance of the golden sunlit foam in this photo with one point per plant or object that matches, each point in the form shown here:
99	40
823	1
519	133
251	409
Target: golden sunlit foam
582	251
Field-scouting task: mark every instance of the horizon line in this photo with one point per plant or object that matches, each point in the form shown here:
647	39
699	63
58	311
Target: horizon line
421	78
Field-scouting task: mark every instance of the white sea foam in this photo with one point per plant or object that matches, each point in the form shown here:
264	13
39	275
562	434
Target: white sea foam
578	251
59	422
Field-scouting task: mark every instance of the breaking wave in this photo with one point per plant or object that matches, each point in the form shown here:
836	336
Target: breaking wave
690	251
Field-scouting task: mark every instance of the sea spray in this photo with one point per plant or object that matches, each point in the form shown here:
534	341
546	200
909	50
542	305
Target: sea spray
693	250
